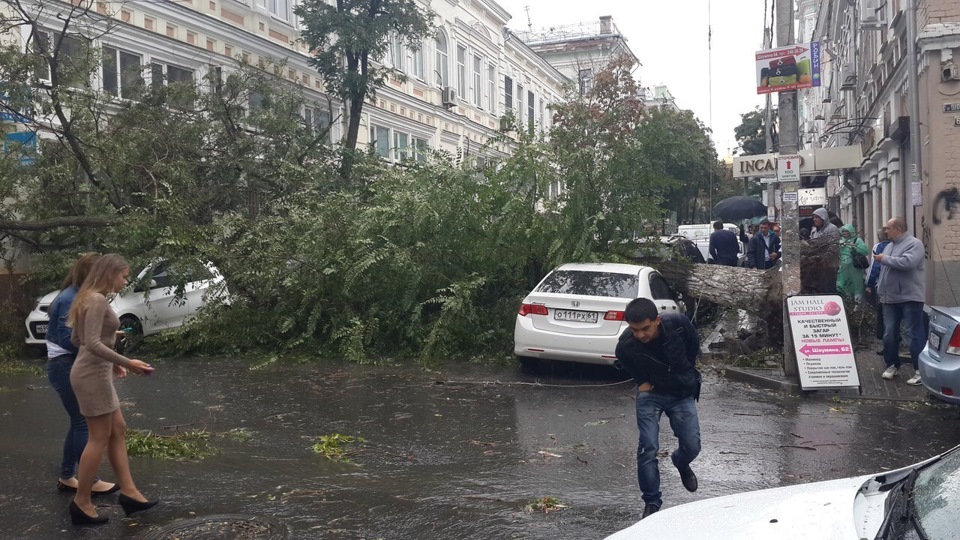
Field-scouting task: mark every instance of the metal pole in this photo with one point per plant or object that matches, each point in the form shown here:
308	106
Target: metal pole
789	218
914	98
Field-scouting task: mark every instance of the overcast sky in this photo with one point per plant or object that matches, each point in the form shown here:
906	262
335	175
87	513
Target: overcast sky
670	39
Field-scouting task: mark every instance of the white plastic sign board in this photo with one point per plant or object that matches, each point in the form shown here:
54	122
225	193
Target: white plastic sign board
821	339
788	168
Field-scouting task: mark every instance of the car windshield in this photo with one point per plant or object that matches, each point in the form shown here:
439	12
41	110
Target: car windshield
937	497
590	284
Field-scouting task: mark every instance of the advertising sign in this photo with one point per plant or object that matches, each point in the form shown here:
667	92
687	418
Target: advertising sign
22	144
788	68
788	167
821	339
813	197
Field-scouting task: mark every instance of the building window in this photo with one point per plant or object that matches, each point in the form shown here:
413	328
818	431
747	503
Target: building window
121	73
520	104
317	122
507	93
417	63
442	70
531	110
401	145
279	9
380	140
477	81
71	59
585	79
397	51
492	88
461	70
419	148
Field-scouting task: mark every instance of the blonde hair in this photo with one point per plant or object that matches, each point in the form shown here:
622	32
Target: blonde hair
80	269
99	281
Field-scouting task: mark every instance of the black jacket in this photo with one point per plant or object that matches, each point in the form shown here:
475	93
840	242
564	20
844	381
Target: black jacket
757	250
724	247
668	364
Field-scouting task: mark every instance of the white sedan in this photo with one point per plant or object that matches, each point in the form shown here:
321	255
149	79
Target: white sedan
149	307
575	314
919	502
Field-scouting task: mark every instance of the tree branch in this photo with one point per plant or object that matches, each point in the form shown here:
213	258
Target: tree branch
55	223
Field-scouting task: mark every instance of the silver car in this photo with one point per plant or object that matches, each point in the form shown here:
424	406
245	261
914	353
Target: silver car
940	359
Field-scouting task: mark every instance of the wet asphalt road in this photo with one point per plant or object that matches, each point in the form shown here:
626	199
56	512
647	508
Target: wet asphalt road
457	453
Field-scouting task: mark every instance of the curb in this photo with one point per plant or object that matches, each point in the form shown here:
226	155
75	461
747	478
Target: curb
756	379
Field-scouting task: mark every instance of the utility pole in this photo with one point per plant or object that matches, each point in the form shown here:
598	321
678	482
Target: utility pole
789	217
909	211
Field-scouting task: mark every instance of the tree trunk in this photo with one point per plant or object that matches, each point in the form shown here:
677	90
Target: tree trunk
819	263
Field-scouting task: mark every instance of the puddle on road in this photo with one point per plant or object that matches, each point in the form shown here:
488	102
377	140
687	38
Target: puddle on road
452	455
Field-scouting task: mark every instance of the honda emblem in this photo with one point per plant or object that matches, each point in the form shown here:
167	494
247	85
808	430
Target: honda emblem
575	303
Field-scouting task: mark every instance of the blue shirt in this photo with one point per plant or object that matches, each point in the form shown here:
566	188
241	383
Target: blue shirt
57	330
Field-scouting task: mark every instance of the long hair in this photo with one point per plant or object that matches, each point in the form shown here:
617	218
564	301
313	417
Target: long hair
80	269
99	280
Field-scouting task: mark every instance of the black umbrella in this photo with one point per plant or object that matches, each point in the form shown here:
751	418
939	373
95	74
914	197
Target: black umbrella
739	207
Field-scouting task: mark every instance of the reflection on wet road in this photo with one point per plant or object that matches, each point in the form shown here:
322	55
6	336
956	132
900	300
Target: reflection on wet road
455	454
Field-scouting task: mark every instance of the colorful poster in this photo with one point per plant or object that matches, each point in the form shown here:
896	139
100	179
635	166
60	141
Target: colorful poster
788	68
821	339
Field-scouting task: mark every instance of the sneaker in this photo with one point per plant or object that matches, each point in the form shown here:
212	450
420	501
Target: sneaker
891	372
649	509
915	380
688	478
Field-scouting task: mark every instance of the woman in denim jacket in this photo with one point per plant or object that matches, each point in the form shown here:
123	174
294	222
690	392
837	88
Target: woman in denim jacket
60	357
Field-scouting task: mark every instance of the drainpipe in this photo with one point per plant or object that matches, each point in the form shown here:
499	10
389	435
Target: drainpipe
913	78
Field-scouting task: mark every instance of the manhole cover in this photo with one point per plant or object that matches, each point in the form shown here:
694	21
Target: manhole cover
224	526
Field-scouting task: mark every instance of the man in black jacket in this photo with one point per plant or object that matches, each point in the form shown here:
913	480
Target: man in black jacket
764	248
724	246
660	352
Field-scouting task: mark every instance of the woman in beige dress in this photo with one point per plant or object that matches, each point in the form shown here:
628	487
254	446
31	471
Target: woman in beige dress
95	328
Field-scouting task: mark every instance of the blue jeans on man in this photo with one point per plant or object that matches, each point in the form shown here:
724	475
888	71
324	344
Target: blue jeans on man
911	314
682	413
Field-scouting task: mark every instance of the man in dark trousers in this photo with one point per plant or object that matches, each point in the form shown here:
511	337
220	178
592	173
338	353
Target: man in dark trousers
724	246
660	352
764	248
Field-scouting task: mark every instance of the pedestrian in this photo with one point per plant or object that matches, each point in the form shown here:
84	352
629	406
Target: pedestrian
724	248
853	260
902	292
61	354
871	287
804	233
95	327
776	229
660	353
764	248
823	226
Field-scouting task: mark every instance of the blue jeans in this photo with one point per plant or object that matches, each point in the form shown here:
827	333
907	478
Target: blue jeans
682	413
911	314
58	372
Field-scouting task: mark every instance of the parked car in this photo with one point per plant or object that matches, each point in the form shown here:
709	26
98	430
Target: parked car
150	303
700	236
668	248
575	313
940	359
916	502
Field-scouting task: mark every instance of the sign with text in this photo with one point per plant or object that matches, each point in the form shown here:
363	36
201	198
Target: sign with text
788	68
821	339
788	168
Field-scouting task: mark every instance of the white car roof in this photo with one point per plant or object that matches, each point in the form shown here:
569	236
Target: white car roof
614	268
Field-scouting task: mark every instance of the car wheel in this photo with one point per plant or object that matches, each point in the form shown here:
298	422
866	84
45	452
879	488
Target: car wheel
132	334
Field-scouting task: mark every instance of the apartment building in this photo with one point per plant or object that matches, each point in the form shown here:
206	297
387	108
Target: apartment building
864	101
457	88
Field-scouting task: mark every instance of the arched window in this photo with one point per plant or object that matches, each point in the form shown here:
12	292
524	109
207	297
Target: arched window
441	70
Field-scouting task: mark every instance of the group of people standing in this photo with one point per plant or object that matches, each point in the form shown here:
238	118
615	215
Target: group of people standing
82	364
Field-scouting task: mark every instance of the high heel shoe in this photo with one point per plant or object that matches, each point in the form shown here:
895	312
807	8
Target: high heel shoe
132	506
79	517
94	493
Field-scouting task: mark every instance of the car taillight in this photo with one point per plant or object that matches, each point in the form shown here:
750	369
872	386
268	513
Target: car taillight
613	316
946	391
954	346
532	309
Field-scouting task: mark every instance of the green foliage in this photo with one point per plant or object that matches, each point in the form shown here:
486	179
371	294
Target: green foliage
187	445
335	447
751	133
545	505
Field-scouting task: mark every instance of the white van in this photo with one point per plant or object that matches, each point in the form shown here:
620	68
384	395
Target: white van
700	235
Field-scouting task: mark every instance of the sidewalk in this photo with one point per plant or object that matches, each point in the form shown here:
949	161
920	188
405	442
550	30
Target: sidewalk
869	367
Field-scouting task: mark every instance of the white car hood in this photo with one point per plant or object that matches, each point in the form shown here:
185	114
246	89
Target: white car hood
817	511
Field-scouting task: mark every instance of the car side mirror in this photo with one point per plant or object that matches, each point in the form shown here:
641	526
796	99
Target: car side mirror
153	284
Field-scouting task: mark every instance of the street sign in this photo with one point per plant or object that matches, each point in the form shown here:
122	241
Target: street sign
788	168
821	339
790	196
813	197
788	68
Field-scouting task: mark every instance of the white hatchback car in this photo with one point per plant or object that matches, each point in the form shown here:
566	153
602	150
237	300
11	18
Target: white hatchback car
918	502
575	314
148	308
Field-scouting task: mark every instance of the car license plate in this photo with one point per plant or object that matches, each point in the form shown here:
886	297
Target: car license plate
41	329
934	341
575	316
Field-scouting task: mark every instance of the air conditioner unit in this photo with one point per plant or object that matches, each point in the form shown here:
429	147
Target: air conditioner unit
449	96
950	72
848	77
